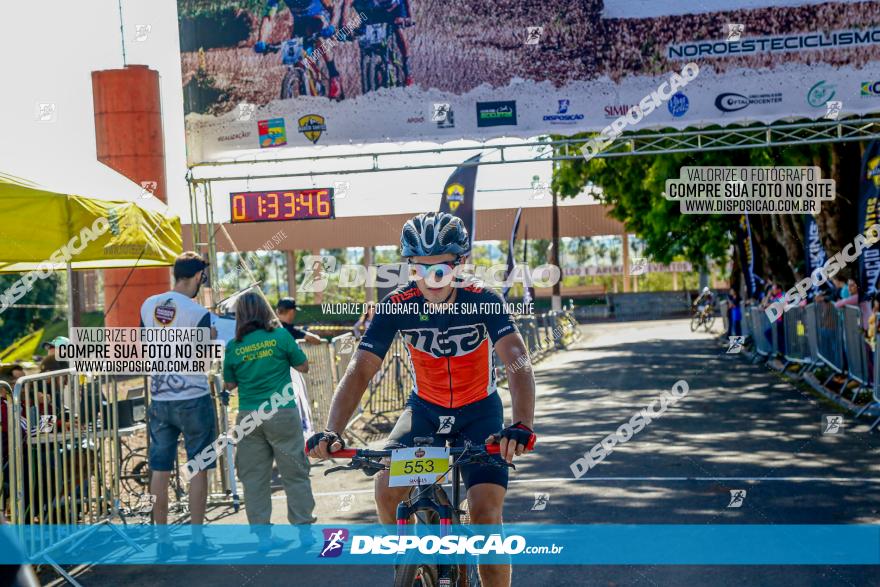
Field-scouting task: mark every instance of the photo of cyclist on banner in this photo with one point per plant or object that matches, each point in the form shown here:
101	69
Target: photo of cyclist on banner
313	22
383	17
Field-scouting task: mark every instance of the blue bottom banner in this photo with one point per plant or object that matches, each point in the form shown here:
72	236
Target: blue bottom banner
518	544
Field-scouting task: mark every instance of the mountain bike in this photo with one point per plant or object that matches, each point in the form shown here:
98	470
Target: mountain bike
429	503
381	61
704	317
307	73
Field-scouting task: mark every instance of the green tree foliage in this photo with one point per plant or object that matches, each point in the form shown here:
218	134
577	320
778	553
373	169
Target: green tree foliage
632	187
17	322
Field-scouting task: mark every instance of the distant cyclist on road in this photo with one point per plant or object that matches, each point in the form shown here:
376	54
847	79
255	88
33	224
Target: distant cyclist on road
704	301
310	18
451	357
393	12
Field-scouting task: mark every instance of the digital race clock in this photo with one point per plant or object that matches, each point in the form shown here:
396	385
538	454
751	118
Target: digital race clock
282	205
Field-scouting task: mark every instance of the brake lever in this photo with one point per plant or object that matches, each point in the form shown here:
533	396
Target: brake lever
340	468
359	463
486	459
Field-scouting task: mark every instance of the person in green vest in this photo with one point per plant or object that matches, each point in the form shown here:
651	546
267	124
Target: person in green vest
258	363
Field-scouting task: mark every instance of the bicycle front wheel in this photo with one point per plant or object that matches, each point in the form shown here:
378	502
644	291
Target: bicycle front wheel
708	322
467	573
695	323
417	575
293	84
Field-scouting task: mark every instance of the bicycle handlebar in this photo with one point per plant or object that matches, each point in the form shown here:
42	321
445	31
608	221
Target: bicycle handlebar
350	453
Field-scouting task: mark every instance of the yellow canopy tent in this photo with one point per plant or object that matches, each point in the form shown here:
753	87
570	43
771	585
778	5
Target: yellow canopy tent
42	231
47	230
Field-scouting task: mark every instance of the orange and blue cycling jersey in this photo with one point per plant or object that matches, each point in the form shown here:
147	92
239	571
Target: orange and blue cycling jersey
450	353
300	7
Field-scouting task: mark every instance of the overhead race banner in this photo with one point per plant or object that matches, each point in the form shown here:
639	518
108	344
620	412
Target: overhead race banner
479	69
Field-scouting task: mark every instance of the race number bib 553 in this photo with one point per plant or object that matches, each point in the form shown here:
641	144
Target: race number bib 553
418	465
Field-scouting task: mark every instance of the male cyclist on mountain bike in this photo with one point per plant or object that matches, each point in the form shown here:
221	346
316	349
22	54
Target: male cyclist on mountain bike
451	359
310	18
704	301
393	12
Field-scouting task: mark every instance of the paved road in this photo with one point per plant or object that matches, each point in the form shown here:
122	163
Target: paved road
739	427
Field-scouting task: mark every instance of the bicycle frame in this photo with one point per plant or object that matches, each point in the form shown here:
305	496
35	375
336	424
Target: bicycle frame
425	502
306	63
385	51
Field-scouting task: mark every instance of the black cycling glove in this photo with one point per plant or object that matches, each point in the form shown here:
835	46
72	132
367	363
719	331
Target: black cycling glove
328	435
519	433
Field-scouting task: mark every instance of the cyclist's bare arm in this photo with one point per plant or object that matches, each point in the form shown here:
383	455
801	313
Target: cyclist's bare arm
335	9
266	24
362	368
513	354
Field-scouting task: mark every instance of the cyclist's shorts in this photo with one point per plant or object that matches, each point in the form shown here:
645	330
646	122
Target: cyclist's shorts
300	8
475	422
311	25
376	13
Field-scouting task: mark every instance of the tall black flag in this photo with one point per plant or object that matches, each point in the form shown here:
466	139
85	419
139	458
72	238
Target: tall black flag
458	194
511	261
869	214
814	252
746	255
528	290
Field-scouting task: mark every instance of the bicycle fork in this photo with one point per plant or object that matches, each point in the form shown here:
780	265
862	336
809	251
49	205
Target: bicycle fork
426	503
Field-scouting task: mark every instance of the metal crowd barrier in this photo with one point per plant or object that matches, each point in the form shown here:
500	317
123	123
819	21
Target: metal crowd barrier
564	332
797	347
320	380
829	336
854	349
6	395
810	324
528	329
63	457
777	339
819	334
343	347
391	386
575	332
543	332
556	331
746	324
222	484
760	325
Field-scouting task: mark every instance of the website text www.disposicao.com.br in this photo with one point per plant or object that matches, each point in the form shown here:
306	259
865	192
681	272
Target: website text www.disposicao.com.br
478	544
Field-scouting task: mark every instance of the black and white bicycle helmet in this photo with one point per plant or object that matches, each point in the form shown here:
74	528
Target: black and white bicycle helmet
434	233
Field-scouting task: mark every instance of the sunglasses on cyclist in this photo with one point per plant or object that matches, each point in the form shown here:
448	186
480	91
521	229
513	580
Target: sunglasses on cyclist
436	271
